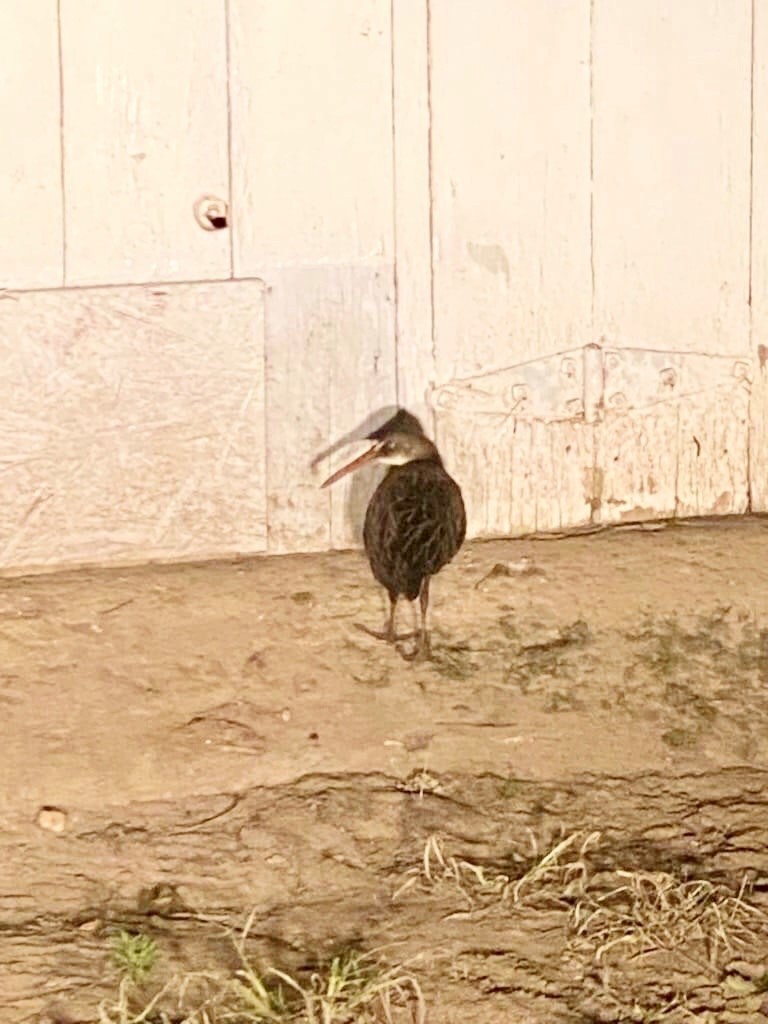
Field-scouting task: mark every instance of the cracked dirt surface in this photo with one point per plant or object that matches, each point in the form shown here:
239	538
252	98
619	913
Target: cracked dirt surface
181	745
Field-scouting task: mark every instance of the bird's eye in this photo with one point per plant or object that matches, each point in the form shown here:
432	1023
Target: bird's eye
388	447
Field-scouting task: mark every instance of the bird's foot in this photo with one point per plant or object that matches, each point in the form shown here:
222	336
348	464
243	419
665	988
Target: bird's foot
422	650
388	635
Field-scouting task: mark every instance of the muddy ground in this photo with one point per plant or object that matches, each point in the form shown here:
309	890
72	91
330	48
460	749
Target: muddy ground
182	746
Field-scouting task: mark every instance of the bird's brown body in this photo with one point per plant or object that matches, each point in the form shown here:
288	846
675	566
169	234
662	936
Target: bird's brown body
415	522
414	525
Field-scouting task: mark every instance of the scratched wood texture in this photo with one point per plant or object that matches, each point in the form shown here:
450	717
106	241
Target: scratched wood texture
671	157
129	431
758	438
429	209
31	237
416	356
511	188
145	135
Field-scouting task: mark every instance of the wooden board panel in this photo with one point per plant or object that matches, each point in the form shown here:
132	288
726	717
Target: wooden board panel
133	424
311	131
479	456
758	433
713	452
519	476
362	384
145	135
510	181
330	368
31	238
522	486
672	173
636	464
570	473
410	69
759	402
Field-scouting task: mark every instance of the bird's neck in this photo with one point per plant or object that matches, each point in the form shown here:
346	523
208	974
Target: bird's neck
429	454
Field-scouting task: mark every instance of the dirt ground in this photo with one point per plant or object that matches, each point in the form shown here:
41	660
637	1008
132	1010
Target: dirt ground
562	818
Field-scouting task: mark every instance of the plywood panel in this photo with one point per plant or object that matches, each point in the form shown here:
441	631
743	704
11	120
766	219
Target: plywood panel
410	69
30	156
145	135
330	366
510	181
672	172
133	424
311	131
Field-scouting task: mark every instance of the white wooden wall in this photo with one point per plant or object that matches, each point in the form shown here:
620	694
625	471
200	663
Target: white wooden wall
543	227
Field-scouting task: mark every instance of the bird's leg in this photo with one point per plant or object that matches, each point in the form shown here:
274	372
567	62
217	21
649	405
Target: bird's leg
388	633
423	648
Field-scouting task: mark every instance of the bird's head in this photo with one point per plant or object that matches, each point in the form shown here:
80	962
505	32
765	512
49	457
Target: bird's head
399	441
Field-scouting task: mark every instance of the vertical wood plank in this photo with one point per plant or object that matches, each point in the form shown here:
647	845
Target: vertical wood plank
312	171
413	256
511	186
713	469
636	460
523	486
758	441
311	131
30	156
330	364
495	452
475	456
362	382
758	433
571	471
672	173
145	136
301	325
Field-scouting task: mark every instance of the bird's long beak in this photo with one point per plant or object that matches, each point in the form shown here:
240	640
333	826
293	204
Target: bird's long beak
361	460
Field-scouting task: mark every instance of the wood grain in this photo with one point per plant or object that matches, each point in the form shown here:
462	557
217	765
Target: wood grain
311	132
31	239
511	188
672	173
145	135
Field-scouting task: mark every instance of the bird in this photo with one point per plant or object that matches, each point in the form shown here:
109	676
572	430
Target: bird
415	522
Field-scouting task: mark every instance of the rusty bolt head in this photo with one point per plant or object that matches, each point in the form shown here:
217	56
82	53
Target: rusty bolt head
211	213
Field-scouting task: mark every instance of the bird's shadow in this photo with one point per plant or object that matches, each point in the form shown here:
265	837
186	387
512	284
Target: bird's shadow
364	482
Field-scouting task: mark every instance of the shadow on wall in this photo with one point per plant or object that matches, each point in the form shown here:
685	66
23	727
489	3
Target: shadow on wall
363	483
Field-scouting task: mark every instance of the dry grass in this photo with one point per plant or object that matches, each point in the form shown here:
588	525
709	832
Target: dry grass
652	911
559	873
646	935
